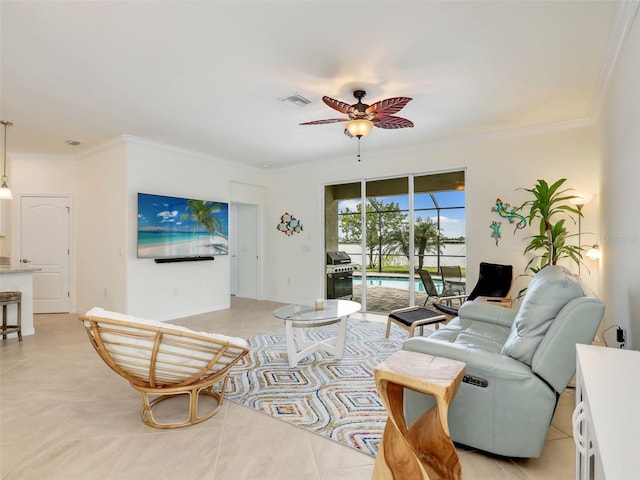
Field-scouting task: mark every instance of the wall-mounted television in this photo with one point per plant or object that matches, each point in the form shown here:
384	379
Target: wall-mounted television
174	227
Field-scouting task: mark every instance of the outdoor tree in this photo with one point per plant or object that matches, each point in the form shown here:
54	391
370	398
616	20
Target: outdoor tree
425	239
425	235
383	221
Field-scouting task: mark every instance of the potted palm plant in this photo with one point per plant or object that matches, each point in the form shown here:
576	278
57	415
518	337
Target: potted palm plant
545	211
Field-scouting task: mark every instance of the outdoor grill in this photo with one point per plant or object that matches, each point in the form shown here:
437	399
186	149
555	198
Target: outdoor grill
340	275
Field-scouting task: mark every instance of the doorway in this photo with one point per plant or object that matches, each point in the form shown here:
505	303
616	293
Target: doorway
45	245
244	246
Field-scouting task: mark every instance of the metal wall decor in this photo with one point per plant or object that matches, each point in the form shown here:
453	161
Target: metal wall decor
495	231
289	224
506	211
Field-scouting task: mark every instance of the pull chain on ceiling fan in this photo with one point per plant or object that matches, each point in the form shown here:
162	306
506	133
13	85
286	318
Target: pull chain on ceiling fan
362	117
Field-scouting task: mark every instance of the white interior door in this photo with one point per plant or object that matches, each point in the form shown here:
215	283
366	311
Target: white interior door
233	248
44	244
247	251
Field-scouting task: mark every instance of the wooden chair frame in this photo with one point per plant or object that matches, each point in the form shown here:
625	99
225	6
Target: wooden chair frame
166	362
437	319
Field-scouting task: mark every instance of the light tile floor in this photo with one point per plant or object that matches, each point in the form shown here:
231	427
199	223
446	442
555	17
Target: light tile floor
65	415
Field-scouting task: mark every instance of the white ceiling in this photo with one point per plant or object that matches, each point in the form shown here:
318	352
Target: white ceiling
207	75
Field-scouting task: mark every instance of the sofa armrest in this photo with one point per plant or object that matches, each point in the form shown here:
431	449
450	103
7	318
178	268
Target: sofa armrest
555	358
477	360
488	313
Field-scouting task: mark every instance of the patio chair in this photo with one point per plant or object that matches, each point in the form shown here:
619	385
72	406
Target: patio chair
452	281
494	281
163	360
429	286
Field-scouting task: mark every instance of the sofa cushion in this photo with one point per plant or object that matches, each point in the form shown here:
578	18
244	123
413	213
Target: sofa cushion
549	291
483	336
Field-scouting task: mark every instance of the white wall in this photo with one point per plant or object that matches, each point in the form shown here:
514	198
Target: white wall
496	167
620	230
99	217
108	179
103	184
172	290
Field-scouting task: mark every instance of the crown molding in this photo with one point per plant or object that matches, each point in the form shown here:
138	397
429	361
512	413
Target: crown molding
622	26
132	139
22	156
185	151
102	146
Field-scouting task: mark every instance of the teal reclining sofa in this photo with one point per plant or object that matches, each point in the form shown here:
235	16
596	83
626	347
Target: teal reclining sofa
518	363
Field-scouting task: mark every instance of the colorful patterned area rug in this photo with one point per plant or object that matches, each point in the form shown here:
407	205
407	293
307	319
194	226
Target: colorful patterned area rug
334	398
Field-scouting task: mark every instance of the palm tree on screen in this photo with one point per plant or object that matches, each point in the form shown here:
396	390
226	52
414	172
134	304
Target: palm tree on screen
203	213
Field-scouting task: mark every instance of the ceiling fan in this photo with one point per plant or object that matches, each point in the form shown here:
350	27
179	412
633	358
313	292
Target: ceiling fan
361	117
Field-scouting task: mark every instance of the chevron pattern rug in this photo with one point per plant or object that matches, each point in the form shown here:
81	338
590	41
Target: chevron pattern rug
334	398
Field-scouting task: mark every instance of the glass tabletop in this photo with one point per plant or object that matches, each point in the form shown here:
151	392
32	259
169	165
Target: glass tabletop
332	309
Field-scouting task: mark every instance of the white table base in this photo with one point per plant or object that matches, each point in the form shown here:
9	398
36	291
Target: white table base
300	346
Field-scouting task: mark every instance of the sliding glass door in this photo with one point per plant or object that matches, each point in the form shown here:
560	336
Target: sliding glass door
407	224
387	245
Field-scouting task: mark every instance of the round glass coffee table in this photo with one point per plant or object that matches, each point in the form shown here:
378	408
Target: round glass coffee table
298	318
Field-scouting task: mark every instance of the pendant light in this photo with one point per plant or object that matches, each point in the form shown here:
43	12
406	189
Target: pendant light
5	192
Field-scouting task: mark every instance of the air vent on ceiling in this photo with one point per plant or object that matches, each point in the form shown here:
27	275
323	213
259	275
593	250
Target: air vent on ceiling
296	100
72	142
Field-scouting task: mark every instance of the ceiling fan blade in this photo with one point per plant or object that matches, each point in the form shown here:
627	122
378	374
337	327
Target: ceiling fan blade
391	122
336	104
328	120
388	106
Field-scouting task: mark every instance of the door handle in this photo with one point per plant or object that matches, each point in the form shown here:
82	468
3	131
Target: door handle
24	260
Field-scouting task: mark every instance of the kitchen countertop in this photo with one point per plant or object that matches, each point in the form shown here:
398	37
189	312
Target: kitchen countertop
17	269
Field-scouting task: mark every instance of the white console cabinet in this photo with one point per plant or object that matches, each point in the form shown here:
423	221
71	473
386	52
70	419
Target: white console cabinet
606	421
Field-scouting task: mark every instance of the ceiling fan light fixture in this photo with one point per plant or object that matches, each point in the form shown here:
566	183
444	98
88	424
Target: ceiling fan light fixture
359	127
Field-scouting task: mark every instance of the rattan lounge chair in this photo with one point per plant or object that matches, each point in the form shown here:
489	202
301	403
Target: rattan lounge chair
161	360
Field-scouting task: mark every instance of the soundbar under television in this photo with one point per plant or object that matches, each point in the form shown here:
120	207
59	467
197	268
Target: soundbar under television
174	227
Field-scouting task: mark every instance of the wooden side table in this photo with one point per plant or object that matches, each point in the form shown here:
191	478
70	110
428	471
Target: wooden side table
424	451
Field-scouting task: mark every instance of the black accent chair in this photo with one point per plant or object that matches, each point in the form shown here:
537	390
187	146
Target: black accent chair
494	280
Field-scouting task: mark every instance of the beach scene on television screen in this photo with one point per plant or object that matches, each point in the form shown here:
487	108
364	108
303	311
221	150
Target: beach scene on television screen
181	227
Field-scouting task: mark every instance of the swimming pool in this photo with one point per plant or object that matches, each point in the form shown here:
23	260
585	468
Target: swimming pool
394	282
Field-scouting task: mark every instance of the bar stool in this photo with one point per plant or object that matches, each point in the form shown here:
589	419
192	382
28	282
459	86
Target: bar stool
8	298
